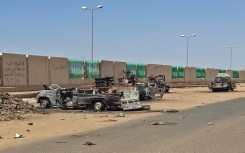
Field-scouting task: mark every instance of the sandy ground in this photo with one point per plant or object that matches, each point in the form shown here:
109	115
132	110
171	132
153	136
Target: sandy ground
60	123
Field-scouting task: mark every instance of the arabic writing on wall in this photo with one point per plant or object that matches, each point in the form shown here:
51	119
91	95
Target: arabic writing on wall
14	71
58	67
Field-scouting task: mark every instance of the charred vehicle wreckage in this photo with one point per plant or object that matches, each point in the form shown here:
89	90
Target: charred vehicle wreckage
153	88
106	94
91	99
223	82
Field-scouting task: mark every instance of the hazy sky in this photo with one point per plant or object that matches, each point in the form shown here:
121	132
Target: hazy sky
137	31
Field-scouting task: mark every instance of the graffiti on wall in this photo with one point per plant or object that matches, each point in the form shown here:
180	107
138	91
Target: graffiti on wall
58	67
14	71
59	71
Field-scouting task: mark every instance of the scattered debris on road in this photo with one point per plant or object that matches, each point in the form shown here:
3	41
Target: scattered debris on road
103	116
89	143
111	120
210	123
75	135
1	137
163	123
30	123
61	141
167	111
170	110
121	114
17	135
12	107
194	114
182	117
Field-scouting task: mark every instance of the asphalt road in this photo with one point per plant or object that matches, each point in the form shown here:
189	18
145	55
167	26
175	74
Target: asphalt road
216	128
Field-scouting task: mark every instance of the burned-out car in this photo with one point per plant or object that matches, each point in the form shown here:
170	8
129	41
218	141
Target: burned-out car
79	98
63	98
223	82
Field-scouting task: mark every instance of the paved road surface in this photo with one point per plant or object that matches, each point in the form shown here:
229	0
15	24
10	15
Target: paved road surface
192	134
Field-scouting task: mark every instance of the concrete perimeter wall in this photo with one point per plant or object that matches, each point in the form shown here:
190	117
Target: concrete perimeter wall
150	70
211	74
159	70
21	70
193	75
167	71
1	70
14	70
59	72
242	75
107	69
230	72
38	70
187	74
119	68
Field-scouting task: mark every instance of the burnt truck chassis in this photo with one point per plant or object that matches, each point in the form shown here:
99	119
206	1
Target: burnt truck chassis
78	98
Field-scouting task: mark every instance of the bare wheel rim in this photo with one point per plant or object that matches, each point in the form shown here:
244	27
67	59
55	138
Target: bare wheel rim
98	106
44	103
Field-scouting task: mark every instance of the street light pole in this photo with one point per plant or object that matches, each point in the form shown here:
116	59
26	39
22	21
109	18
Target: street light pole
231	47
92	54
92	11
187	48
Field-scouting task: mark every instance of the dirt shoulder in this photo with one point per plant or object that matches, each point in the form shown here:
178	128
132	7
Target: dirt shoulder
46	126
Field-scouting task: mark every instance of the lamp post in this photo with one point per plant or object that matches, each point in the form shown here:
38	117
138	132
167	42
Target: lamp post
187	49
83	67
231	47
83	58
92	10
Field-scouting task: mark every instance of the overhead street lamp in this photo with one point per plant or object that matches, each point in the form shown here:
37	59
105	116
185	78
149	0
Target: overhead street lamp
92	10
187	50
231	47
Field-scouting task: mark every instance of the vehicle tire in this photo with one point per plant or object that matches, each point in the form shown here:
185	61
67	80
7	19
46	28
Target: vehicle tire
98	106
44	103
